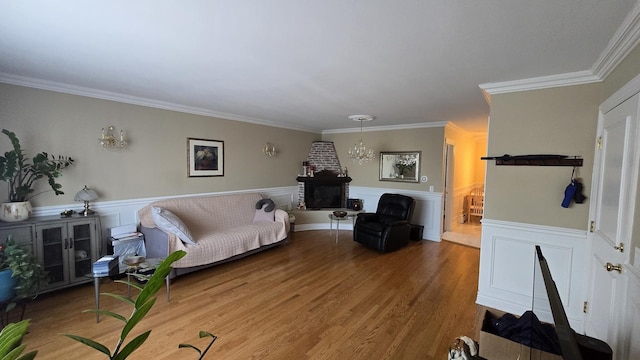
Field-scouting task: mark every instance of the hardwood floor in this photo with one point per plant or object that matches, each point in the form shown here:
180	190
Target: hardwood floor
310	299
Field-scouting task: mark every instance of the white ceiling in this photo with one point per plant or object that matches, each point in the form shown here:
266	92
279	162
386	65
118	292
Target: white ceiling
304	64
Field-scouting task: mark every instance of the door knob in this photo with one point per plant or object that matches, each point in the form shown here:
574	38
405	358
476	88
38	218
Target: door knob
611	267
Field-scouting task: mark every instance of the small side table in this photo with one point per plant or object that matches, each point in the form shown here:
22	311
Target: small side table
96	285
122	271
333	218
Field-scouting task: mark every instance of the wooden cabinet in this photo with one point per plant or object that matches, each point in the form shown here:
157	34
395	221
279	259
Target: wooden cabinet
66	247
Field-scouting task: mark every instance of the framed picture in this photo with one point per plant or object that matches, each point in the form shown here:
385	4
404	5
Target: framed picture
205	157
400	166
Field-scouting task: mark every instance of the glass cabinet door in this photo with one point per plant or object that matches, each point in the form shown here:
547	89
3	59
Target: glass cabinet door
54	252
80	252
66	247
21	235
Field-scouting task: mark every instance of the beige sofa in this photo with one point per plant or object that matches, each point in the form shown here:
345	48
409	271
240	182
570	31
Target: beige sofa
222	228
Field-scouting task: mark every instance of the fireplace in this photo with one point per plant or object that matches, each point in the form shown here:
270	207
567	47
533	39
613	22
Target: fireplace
322	196
328	187
325	190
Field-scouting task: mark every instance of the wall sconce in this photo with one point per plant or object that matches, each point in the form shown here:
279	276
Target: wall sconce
86	195
269	149
109	141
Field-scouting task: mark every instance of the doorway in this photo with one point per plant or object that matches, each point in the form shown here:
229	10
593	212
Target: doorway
456	227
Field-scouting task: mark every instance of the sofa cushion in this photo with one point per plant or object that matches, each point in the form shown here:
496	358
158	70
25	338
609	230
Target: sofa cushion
169	222
264	211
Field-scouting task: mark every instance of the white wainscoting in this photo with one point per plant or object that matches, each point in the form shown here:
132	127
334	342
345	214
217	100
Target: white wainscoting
507	256
630	332
428	210
122	212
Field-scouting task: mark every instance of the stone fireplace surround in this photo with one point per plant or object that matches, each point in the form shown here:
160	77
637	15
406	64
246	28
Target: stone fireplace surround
319	191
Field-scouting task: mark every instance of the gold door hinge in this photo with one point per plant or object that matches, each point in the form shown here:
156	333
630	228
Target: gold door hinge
592	226
619	247
599	143
585	307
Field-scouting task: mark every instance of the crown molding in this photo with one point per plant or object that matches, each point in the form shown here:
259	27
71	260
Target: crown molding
454	127
542	82
134	100
621	44
387	128
625	92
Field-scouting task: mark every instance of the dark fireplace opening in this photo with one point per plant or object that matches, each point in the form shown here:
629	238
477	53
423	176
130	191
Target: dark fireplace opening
321	196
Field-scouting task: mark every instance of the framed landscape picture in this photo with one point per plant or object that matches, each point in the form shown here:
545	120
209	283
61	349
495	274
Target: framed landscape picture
205	157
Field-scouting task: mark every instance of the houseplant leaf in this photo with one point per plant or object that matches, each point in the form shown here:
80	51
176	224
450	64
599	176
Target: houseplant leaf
133	345
11	339
21	173
143	303
91	343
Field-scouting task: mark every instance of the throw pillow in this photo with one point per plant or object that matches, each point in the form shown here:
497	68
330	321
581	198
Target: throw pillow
265	211
170	222
270	205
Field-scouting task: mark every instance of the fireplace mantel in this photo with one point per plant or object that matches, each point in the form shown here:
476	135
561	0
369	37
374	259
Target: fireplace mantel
324	179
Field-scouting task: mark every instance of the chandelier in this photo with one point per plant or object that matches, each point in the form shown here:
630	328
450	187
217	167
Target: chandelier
360	153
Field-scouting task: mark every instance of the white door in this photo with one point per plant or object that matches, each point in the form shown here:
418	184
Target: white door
611	212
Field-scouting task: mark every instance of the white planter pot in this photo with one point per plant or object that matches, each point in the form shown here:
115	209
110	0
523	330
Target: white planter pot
15	211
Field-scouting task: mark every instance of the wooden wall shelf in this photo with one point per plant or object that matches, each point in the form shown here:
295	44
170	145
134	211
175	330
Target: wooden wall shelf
536	160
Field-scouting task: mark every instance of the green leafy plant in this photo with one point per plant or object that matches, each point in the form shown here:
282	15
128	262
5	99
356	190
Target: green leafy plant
30	274
21	174
141	306
11	346
201	353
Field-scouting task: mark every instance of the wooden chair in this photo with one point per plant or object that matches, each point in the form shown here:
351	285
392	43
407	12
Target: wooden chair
475	203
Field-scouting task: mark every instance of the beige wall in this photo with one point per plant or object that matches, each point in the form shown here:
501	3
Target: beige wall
625	72
559	120
154	164
481	150
428	140
622	74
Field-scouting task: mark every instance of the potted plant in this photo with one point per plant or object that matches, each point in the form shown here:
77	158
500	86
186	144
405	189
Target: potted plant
21	173
20	272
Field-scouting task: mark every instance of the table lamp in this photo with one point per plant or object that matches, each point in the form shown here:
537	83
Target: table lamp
86	195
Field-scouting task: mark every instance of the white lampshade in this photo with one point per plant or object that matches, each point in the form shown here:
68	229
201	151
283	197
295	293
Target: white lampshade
86	195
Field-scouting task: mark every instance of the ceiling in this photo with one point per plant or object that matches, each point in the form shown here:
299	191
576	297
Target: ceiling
304	65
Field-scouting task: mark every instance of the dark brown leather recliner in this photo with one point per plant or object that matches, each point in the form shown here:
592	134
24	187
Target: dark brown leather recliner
387	229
